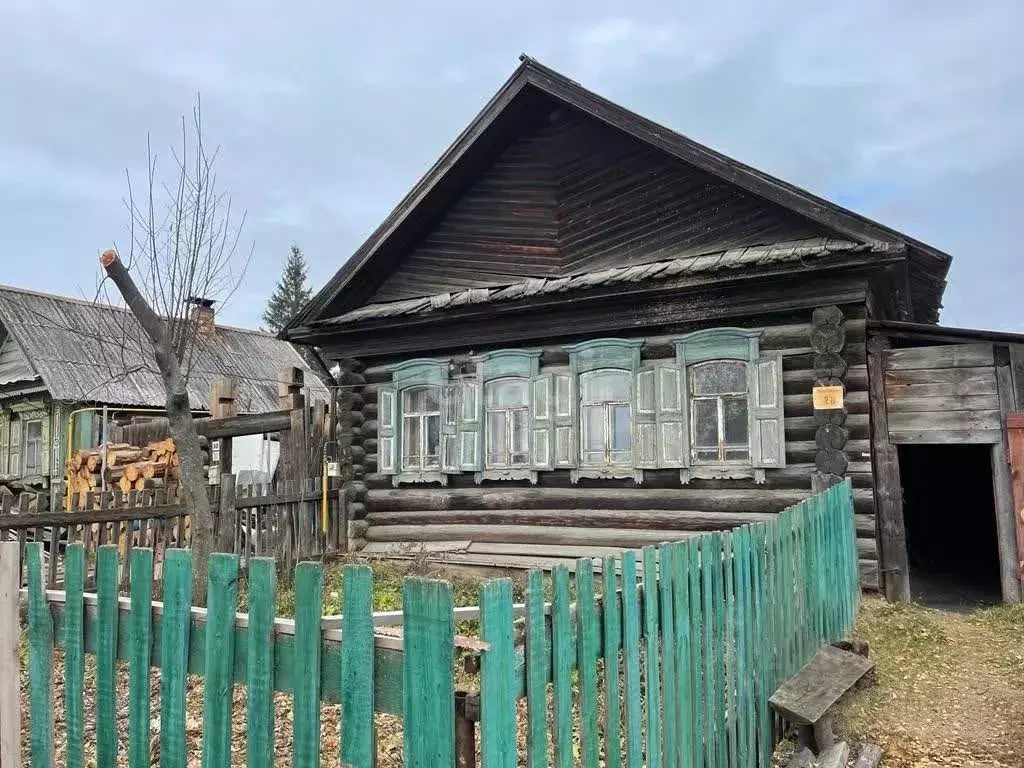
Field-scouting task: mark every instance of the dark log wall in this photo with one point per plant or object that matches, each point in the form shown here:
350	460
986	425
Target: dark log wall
503	522
573	195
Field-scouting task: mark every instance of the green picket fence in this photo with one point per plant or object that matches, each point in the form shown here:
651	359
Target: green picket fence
672	666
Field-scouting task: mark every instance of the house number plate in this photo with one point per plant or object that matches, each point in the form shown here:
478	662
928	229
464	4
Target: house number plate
826	398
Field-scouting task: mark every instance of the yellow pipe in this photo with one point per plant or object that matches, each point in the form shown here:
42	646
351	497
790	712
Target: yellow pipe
323	498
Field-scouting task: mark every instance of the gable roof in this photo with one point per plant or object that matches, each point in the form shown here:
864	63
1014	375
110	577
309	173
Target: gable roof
353	284
76	349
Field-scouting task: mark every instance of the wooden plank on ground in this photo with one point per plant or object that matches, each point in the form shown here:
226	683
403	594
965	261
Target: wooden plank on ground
806	696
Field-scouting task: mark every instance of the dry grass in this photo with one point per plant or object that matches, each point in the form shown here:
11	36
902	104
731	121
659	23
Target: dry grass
950	686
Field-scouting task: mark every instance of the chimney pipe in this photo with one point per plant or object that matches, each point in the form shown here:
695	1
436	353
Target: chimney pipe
202	315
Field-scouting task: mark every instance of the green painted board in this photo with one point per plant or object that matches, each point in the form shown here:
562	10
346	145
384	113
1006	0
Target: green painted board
611	614
221	603
538	672
358	746
696	633
429	684
652	663
309	600
173	655
40	661
721	644
670	721
684	659
586	661
497	682
107	652
140	635
631	654
74	654
729	650
742	678
561	667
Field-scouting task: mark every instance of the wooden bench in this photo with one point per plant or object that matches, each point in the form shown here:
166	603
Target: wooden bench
805	699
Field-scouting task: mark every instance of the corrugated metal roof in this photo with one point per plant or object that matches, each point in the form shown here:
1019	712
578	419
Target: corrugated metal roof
94	352
734	258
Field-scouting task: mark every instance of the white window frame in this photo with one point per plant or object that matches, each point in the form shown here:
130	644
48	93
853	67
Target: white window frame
508	437
608	407
36	469
719	399
423	418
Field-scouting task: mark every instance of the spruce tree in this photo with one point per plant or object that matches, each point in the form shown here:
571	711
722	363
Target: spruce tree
291	292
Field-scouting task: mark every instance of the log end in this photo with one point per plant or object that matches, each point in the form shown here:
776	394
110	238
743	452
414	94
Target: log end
108	257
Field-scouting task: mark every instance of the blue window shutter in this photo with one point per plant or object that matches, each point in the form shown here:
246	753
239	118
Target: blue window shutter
387	430
673	441
645	418
768	433
450	404
470	412
542	421
565	453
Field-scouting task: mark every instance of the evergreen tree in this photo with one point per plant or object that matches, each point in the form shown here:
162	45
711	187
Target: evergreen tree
291	293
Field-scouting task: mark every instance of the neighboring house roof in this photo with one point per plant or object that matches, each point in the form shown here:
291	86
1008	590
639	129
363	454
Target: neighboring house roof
718	261
534	86
93	352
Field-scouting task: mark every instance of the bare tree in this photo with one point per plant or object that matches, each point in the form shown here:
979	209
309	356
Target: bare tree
183	246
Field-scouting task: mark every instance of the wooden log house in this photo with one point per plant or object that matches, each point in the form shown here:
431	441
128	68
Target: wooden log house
582	332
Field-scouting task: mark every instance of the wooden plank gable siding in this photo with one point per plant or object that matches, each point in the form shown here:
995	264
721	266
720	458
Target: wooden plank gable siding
943	394
536	521
572	195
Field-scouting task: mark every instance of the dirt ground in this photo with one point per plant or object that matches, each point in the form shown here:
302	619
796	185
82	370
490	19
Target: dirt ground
950	686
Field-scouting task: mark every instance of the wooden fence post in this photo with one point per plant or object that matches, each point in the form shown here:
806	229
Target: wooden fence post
10	665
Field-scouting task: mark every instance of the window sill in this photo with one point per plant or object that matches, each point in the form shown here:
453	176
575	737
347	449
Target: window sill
506	474
433	476
721	472
607	473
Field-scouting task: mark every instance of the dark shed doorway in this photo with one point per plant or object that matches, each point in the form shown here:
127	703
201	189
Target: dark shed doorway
949	514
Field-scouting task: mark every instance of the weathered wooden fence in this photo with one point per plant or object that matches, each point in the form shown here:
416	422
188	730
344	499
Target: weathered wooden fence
672	666
286	521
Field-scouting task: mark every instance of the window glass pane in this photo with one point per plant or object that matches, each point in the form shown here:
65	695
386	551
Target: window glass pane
507	392
433	452
34	430
735	409
718	378
620	428
421	400
606	387
593	429
411	442
737	454
496	438
520	431
705	424
706	455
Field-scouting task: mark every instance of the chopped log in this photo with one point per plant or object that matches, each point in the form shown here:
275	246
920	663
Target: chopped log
76	461
151	469
92	461
125	484
121	457
870	756
131	472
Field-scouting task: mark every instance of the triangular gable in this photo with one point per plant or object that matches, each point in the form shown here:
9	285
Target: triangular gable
413	250
14	366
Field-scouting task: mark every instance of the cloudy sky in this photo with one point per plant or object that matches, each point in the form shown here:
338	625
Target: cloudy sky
326	114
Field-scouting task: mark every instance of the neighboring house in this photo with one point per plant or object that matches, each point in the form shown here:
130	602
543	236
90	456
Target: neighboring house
581	331
63	359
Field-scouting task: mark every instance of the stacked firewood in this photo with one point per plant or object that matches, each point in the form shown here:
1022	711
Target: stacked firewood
123	466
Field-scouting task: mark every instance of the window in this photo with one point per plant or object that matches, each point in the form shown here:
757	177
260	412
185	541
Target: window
605	418
14	458
421	428
508	416
719	416
33	447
